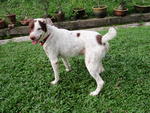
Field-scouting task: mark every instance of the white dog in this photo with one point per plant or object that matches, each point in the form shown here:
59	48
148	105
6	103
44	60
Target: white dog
64	43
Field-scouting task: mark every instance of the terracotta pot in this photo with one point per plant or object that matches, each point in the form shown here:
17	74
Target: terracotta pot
12	18
79	13
2	24
59	16
142	8
120	12
53	19
25	21
100	11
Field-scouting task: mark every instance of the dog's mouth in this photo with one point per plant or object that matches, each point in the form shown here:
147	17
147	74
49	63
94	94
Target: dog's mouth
37	40
34	42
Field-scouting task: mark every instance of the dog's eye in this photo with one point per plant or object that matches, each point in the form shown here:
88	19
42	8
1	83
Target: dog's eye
39	29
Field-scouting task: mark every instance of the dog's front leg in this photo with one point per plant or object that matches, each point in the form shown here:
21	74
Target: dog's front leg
54	63
101	69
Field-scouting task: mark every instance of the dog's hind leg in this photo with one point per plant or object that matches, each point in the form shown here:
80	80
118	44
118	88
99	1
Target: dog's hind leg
93	67
66	63
99	83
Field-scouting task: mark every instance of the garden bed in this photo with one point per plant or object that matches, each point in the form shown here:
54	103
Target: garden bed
86	23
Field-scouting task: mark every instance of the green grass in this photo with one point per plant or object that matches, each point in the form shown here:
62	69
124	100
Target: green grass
25	75
31	8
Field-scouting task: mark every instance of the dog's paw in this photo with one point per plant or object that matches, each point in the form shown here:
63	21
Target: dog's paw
68	70
54	82
94	93
101	69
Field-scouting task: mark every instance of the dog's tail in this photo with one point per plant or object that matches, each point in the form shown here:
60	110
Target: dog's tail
110	35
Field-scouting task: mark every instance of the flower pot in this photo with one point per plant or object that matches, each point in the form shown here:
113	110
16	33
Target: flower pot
25	21
2	24
79	13
118	12
11	26
100	11
142	8
12	18
59	16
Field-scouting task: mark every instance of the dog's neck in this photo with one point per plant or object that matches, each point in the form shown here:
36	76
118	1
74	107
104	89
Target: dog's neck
51	30
44	39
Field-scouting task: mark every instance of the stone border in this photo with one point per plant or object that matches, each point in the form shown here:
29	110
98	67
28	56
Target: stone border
86	23
26	38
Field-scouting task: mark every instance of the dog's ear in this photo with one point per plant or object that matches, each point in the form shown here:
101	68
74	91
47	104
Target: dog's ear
43	26
49	21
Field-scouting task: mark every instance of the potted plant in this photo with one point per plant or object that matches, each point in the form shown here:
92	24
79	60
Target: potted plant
2	24
24	17
44	6
59	14
79	11
121	10
142	6
8	8
12	18
99	11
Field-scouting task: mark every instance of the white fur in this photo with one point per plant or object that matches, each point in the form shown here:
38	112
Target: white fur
65	43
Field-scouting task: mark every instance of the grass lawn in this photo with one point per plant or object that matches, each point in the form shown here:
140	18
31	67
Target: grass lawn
25	75
33	8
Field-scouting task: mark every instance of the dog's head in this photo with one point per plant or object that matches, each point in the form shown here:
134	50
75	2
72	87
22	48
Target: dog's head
38	28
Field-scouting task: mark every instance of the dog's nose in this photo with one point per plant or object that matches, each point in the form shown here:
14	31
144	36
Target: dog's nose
32	38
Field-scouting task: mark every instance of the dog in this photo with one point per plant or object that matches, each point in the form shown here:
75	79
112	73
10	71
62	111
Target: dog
64	43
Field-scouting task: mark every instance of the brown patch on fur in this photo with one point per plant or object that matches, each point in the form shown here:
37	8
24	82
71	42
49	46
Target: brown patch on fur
104	44
82	52
99	39
78	34
31	26
56	63
43	26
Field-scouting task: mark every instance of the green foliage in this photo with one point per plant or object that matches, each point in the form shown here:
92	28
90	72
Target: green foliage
97	2
34	9
142	2
44	5
25	75
8	5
